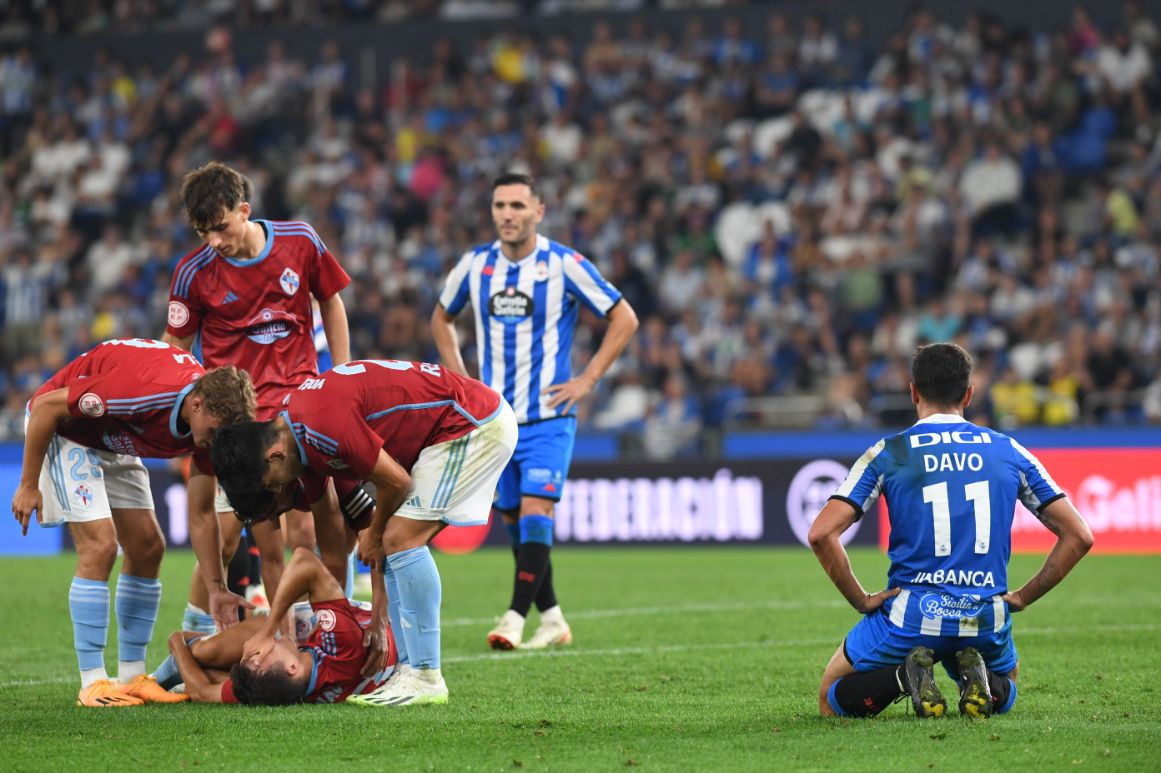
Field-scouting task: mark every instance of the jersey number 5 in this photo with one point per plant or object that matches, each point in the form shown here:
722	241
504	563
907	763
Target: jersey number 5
976	493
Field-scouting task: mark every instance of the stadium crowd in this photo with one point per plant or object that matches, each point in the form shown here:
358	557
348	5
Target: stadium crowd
790	210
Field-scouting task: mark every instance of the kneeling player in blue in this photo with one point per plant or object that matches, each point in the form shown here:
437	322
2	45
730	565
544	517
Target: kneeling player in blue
952	487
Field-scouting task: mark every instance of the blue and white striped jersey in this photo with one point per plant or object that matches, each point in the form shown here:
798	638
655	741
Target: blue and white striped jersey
952	489
526	313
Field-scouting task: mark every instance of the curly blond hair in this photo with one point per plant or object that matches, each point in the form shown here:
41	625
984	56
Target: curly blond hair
228	394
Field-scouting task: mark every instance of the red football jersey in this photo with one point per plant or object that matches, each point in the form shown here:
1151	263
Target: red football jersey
342	418
125	396
336	644
256	314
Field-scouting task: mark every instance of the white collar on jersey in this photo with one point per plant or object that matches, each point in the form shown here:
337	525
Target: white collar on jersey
942	418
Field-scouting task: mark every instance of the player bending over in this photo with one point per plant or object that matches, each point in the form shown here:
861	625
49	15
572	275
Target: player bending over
249	664
952	487
84	434
431	441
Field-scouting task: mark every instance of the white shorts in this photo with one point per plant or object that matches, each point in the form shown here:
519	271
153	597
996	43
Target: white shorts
455	482
79	484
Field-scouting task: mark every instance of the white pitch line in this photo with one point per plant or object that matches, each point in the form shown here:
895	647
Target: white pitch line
672	648
600	614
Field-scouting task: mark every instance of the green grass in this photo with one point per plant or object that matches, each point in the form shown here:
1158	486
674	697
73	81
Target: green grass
685	659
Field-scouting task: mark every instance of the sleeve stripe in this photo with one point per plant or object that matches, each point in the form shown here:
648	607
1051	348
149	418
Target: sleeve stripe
1036	463
856	473
299	229
185	274
857	508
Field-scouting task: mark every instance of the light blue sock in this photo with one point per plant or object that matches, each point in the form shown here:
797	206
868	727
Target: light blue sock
167	674
393	615
89	609
420	594
197	619
136	605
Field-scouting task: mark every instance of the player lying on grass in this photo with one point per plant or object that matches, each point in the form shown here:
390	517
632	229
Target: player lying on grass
431	441
248	663
952	487
84	435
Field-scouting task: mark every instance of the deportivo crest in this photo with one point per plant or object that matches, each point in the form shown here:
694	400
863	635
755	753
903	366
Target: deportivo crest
91	405
289	281
83	494
326	619
178	314
510	305
541	271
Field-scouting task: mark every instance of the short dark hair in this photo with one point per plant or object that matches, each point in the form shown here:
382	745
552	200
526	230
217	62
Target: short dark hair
516	178
941	373
211	190
239	458
272	687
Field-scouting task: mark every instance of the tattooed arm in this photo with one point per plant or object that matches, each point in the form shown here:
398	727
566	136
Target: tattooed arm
1073	540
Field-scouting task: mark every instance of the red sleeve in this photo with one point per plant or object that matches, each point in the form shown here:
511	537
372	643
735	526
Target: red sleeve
327	277
185	308
228	692
360	447
339	437
89	397
314	486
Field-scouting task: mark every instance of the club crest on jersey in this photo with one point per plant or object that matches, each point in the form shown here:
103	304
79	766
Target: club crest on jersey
510	306
541	271
83	494
289	281
91	405
178	314
326	619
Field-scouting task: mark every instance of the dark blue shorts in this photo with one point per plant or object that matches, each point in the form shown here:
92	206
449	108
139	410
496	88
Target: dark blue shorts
539	467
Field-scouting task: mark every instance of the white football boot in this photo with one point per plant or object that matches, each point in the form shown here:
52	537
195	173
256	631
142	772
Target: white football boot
508	633
553	631
417	687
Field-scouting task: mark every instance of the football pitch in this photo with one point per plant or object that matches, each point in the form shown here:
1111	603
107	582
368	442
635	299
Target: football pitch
685	659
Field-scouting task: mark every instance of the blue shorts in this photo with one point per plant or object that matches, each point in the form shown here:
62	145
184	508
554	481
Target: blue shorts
875	642
539	466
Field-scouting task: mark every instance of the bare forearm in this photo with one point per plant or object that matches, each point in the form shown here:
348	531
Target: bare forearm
1065	555
205	535
443	330
837	565
41	427
295	583
622	325
334	319
196	681
180	343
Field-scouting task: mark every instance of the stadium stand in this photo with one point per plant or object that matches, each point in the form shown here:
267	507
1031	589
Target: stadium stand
790	209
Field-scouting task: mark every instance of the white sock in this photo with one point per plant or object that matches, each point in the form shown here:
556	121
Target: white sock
428	674
552	613
127	671
92	675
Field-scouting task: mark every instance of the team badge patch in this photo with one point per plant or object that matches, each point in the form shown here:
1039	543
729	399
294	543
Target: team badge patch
326	619
91	405
541	271
83	494
289	281
178	314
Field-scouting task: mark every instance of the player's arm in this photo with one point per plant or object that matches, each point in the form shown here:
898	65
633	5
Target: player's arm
1073	540
305	574
622	324
181	343
48	411
334	320
205	535
391	485
443	330
836	517
199	686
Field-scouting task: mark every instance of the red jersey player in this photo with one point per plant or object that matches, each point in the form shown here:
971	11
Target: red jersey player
84	433
431	441
244	298
333	663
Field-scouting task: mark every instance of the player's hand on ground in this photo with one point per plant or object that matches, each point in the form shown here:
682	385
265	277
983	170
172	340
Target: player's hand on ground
568	393
1014	601
25	501
224	607
873	601
257	647
375	640
371	548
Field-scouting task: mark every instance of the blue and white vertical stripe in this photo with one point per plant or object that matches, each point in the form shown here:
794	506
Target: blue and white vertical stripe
521	357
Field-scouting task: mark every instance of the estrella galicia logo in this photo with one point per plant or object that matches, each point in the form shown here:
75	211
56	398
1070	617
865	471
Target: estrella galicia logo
510	306
270	326
289	281
940	605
